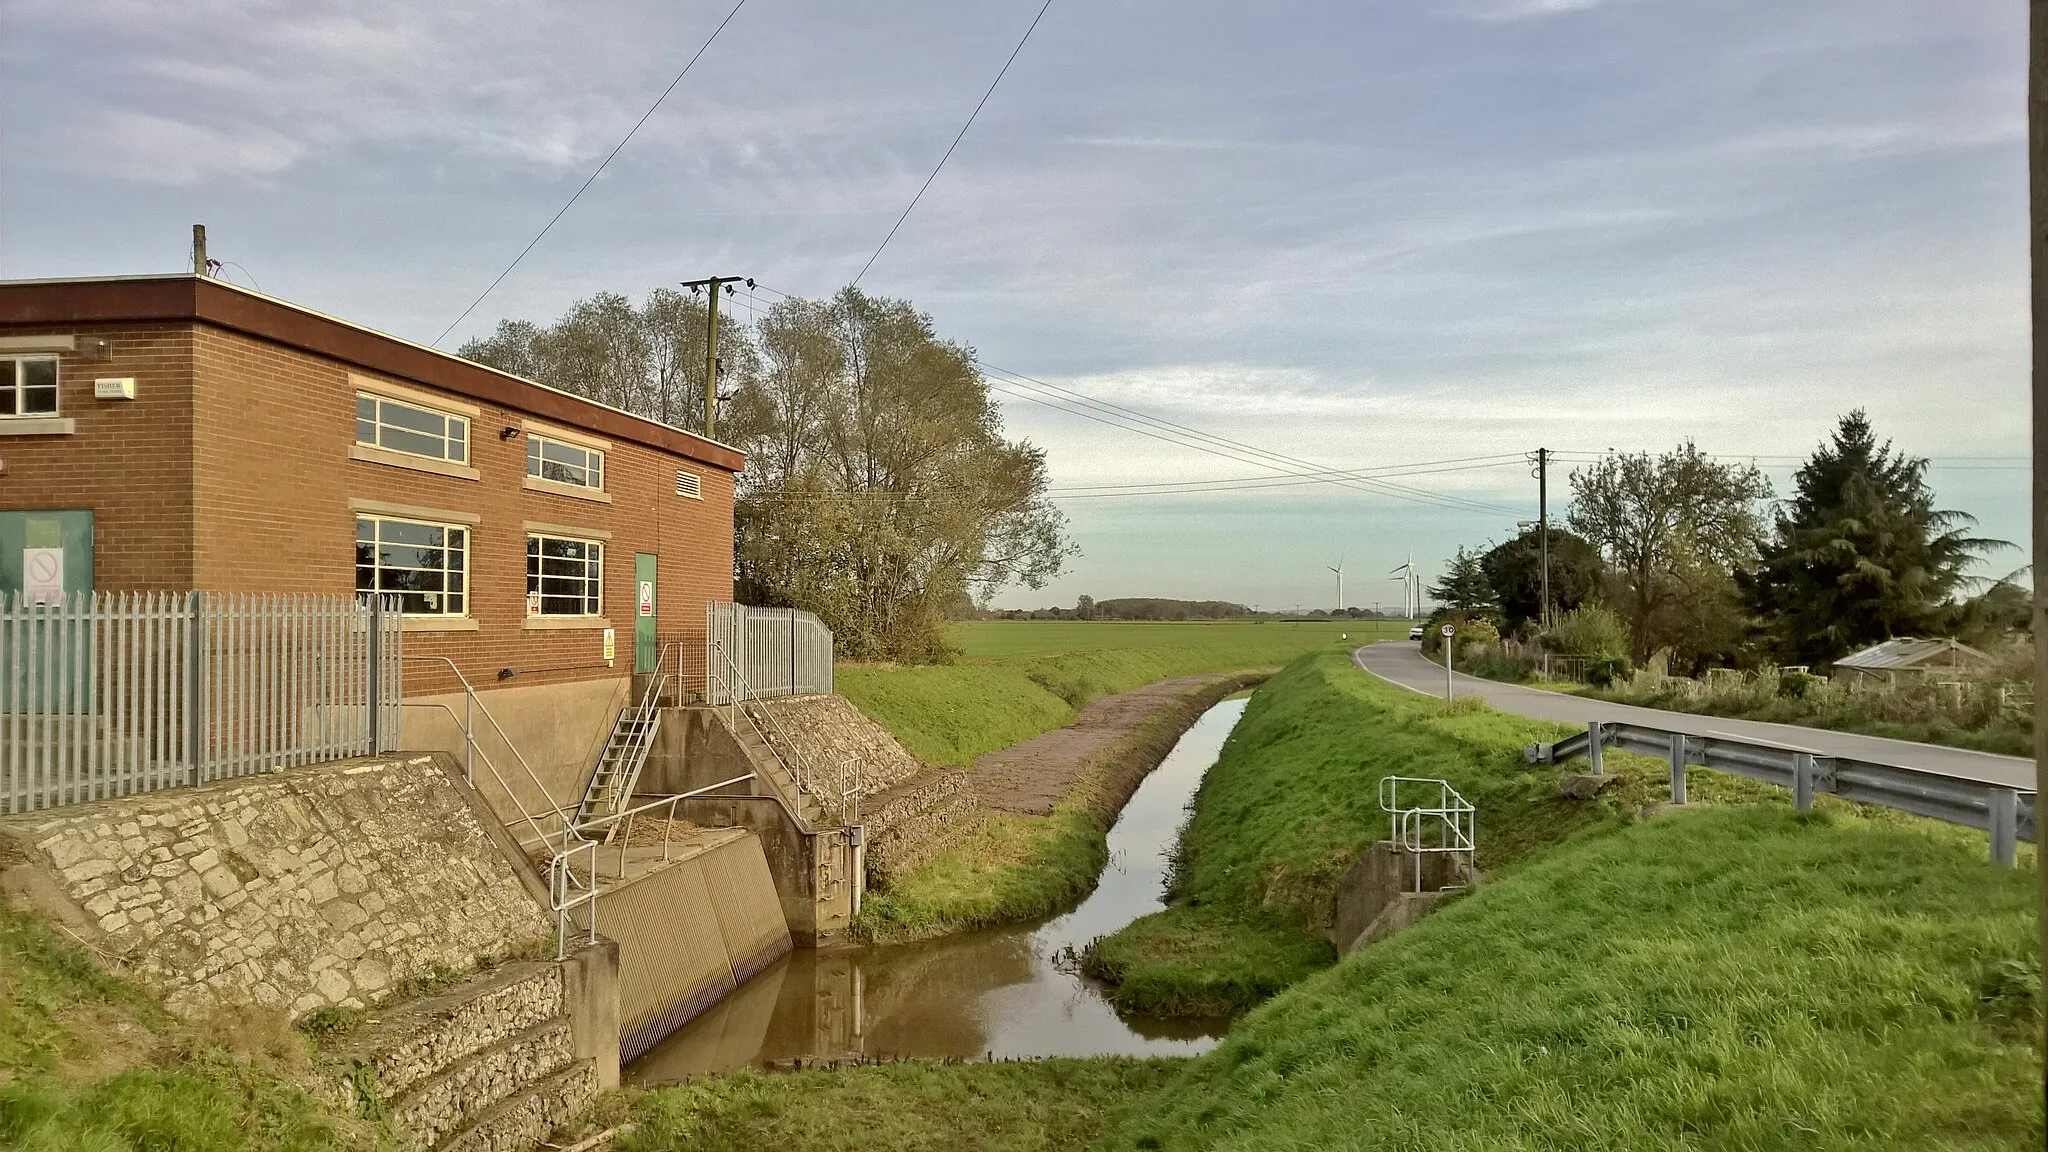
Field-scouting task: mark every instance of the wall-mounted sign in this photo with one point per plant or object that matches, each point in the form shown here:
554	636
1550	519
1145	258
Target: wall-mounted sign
533	603
42	575
611	645
647	597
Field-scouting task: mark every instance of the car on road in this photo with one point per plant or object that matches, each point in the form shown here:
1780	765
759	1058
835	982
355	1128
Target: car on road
1415	633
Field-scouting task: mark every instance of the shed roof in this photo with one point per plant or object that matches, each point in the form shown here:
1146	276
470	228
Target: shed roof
1906	652
186	296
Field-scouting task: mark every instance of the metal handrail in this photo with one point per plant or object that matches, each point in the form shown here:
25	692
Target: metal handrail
738	695
469	738
562	876
1452	816
469	773
2008	814
642	738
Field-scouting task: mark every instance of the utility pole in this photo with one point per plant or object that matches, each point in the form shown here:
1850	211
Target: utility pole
711	345
1543	525
199	250
2037	236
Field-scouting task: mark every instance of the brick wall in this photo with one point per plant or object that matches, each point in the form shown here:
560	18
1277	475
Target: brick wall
130	461
231	472
278	517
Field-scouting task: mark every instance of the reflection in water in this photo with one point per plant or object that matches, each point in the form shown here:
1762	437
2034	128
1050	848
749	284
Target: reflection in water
1008	991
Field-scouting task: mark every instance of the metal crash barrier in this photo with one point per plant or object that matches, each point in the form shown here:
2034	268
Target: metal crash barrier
2006	813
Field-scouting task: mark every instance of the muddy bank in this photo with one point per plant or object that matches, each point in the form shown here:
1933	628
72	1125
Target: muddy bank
1099	760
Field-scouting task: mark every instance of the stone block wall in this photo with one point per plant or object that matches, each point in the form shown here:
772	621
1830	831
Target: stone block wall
297	890
917	820
830	730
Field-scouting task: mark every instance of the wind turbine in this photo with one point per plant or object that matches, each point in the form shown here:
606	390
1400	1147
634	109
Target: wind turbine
1408	594
1339	570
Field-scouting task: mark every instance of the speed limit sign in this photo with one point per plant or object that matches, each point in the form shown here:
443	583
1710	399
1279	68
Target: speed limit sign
1448	629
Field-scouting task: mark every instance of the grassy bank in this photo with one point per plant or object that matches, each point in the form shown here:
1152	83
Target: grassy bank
90	1062
1294	799
1733	975
1015	679
915	1106
1015	867
1745	977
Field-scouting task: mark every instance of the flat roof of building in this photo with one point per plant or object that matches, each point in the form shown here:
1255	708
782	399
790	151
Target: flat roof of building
199	299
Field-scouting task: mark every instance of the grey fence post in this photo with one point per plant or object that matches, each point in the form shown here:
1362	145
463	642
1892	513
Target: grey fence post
375	681
1593	735
1678	767
1802	781
195	685
2005	820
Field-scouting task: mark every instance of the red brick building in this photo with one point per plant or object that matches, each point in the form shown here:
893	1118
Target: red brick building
178	432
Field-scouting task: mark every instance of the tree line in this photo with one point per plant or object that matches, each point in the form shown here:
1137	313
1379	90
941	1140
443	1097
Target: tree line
879	490
1686	558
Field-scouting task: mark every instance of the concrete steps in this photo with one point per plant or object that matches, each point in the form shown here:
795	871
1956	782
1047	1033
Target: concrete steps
489	1064
808	807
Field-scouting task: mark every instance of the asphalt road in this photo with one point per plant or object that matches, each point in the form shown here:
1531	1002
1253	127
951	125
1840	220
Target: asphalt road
1402	662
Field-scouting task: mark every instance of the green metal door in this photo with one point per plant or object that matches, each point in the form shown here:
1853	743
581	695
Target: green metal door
43	552
645	654
46	558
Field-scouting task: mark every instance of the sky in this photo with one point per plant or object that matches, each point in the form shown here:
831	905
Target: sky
1360	234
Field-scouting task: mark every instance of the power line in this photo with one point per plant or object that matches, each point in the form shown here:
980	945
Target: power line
956	142
593	176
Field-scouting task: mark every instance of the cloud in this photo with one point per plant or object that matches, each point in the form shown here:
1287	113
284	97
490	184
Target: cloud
1508	11
160	150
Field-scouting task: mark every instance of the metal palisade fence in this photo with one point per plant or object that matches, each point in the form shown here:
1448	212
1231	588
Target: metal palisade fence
776	652
113	693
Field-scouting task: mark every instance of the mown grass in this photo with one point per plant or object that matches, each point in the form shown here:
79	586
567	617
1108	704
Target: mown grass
89	1062
1735	978
1293	801
1017	678
916	1106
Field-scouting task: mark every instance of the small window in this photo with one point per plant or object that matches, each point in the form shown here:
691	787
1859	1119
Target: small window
564	463
401	427
426	565
689	484
564	577
30	384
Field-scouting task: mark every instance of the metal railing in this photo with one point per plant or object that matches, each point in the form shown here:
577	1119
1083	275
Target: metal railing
1439	809
2006	813
567	891
108	694
729	685
778	651
624	754
562	835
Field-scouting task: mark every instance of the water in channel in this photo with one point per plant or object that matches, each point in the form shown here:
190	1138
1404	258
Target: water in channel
1006	992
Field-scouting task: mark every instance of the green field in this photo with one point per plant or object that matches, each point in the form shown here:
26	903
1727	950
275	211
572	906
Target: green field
1734	975
1017	678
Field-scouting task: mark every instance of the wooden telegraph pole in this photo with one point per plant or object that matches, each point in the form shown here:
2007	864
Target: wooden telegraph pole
713	283
2037	237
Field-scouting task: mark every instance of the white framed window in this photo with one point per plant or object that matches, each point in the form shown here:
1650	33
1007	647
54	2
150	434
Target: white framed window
398	426
564	576
564	463
426	565
28	386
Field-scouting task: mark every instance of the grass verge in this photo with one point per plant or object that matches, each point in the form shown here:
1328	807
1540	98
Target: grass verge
913	1106
89	1062
1742	977
1015	867
1294	800
1015	679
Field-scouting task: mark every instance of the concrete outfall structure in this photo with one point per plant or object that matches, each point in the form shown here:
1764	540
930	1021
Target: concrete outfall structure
1380	895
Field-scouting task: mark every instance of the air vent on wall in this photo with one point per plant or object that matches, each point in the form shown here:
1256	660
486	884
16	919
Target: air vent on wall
689	484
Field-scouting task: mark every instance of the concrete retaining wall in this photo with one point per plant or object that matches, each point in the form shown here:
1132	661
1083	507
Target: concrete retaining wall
317	886
689	933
